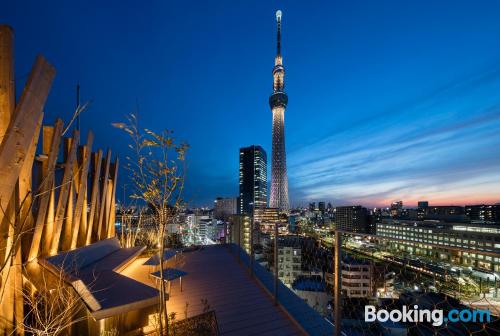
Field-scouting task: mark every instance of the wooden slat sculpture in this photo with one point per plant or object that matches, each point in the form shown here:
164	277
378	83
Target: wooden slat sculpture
54	214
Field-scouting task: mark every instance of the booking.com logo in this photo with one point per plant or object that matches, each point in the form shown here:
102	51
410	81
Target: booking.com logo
435	316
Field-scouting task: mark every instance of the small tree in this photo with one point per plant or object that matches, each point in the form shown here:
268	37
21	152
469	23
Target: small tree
53	307
157	170
130	229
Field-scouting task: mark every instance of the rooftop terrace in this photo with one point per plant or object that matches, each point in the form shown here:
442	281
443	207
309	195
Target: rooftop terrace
242	304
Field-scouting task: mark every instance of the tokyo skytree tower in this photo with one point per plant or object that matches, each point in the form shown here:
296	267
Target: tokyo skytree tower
278	101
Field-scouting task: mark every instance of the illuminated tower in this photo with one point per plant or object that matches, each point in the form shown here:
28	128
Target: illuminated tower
278	101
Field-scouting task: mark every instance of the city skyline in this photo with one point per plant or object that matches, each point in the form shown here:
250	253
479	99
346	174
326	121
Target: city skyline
389	101
149	187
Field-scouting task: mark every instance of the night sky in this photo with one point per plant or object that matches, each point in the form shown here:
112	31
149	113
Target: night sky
388	100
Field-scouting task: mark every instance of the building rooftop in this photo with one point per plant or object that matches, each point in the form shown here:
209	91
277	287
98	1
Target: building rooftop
243	305
93	271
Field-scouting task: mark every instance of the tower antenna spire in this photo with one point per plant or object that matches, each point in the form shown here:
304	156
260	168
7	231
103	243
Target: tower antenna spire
278	22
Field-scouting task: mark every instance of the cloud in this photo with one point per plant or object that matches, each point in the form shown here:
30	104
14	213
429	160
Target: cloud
444	147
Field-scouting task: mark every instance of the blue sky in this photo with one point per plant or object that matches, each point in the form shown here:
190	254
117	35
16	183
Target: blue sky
388	100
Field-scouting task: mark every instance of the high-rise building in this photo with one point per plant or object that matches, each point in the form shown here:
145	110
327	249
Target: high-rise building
422	209
253	179
321	207
351	218
396	208
224	207
278	101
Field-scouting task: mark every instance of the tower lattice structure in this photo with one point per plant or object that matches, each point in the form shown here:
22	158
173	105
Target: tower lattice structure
278	101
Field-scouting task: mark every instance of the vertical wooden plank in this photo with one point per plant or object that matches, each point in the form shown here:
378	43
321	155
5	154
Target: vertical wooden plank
101	227
22	230
22	128
47	134
48	231
67	227
7	298
46	215
98	203
107	204
7	94
82	191
24	222
46	192
96	167
112	207
63	196
17	274
19	128
82	234
7	106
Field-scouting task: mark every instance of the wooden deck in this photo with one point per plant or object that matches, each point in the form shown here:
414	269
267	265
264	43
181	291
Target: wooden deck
241	305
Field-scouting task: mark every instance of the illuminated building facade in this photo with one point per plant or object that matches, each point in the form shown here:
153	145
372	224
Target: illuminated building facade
266	219
289	261
457	243
267	215
396	208
278	101
357	278
240	231
351	218
483	212
253	179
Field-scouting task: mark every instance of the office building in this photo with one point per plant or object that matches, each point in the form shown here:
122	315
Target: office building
351	218
396	208
457	243
253	179
449	213
322	207
225	207
483	213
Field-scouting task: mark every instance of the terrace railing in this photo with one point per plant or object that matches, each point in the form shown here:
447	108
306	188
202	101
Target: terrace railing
368	271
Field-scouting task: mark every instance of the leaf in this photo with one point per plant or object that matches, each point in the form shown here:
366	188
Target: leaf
119	125
148	142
